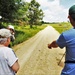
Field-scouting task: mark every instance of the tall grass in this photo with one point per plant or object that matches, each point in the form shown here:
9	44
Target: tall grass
22	33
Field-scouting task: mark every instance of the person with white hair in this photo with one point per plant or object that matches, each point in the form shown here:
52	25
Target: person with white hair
8	60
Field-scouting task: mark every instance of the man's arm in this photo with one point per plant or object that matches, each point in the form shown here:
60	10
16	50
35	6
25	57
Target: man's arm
15	67
53	44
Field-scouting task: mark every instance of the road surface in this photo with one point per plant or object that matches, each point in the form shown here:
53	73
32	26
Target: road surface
34	56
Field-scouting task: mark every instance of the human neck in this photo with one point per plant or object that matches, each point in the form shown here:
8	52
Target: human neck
1	45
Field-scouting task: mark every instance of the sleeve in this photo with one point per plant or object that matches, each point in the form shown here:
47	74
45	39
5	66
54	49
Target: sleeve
61	41
11	57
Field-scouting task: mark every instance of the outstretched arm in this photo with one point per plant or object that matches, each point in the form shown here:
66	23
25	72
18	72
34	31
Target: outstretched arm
53	44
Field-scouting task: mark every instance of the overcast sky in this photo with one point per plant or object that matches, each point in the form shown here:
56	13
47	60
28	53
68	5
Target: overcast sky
55	10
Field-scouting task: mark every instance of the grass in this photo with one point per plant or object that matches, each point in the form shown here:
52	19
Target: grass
60	27
23	33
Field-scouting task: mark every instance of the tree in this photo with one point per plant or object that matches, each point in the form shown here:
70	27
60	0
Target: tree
8	8
35	14
22	12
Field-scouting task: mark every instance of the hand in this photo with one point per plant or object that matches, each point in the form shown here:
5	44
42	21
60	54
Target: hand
52	45
49	46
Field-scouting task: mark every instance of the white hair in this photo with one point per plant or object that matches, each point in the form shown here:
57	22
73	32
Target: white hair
3	40
4	35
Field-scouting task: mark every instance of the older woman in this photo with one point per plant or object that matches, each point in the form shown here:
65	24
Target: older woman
8	60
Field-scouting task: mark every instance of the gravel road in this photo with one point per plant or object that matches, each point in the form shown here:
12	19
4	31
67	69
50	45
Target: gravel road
34	56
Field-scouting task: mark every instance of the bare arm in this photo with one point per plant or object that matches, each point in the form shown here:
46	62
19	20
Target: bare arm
53	44
15	67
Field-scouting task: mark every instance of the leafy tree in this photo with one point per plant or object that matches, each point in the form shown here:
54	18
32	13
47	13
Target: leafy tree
8	8
22	12
35	14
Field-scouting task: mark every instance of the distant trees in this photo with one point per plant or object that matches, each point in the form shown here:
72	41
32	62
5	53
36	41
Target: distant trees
12	10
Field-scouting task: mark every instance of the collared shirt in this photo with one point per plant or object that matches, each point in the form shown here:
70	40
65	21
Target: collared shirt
67	39
7	59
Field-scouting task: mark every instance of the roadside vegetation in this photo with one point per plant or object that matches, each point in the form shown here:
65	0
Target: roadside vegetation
60	27
23	33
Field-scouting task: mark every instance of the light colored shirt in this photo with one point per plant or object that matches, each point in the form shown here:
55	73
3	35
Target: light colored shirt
7	59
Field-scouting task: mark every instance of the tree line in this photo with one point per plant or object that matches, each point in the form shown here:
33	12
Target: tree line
21	12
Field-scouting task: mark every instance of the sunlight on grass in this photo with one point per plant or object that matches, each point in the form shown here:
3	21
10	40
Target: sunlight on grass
60	27
25	32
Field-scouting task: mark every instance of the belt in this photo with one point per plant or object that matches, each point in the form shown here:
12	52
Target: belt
69	61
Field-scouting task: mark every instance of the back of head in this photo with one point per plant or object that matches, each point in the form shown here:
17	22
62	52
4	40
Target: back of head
72	12
5	33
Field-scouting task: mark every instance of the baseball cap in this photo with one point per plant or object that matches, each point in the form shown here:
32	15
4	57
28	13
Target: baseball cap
72	12
4	33
10	26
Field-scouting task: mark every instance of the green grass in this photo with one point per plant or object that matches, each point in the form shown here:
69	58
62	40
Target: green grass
60	27
23	33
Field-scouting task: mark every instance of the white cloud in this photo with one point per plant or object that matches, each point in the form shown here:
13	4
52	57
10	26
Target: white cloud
53	11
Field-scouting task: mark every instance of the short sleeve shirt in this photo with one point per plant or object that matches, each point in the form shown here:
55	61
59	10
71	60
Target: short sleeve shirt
7	59
67	39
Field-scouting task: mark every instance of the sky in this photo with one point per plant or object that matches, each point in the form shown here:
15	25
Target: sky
55	10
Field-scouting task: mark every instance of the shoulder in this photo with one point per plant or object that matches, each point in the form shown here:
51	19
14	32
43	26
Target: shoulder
7	50
68	32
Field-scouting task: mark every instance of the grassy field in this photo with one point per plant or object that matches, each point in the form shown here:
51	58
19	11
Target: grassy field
60	27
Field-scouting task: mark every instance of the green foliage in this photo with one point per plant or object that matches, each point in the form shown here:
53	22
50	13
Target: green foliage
21	12
7	9
24	33
35	14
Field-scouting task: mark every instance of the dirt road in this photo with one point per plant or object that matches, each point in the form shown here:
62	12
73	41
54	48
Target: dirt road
34	56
